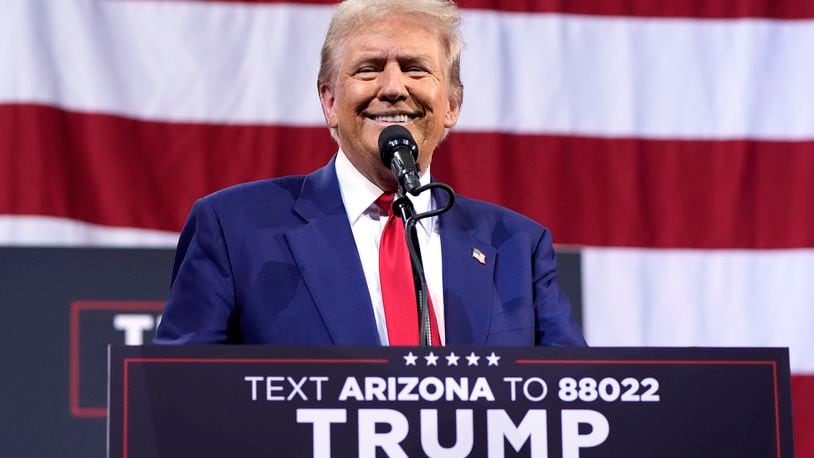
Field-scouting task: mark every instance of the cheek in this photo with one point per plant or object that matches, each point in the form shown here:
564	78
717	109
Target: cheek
358	95
438	99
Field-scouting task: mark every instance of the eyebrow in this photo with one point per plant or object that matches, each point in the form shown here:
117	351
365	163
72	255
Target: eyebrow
378	57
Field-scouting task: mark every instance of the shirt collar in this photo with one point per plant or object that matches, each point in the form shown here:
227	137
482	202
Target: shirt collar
359	193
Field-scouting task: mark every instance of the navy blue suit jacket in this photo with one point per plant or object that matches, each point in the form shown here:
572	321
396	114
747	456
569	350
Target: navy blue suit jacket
275	262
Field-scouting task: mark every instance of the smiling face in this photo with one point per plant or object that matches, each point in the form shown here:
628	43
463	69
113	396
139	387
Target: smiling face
394	71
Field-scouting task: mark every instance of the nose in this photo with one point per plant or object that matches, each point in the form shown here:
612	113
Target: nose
393	87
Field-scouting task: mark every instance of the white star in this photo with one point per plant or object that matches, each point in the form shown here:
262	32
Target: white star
409	360
452	359
493	359
472	359
431	359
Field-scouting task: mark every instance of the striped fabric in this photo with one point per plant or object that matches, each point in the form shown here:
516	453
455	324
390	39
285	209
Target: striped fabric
672	143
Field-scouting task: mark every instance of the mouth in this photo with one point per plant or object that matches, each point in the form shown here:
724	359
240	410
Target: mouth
391	118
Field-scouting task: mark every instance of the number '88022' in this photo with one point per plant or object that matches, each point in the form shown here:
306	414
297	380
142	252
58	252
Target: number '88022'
609	389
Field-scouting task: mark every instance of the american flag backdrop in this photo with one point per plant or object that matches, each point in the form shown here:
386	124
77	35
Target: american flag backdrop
670	142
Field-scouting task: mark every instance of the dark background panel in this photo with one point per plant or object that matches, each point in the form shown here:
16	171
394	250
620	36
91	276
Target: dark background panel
37	286
570	276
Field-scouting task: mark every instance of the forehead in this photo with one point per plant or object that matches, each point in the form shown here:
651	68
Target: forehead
404	37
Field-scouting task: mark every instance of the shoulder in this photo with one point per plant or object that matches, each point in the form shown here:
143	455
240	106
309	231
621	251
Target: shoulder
504	229
498	219
269	197
277	196
242	209
257	191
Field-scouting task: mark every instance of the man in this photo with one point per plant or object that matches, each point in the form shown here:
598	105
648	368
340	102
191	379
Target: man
296	260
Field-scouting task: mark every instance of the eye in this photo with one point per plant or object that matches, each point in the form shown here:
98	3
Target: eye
416	70
366	72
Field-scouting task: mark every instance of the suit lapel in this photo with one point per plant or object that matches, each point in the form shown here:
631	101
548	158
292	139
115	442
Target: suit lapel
468	284
326	253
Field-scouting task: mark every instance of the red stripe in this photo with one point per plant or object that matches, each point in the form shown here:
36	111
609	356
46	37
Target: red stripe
802	390
699	9
257	360
651	362
123	172
646	193
720	9
590	191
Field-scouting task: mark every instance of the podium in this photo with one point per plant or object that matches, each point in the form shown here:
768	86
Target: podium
277	401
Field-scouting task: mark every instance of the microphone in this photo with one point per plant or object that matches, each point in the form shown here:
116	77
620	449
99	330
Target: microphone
399	152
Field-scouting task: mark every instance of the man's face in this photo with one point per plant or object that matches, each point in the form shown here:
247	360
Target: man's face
393	71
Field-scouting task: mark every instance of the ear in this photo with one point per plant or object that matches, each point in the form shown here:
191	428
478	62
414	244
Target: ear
327	99
453	110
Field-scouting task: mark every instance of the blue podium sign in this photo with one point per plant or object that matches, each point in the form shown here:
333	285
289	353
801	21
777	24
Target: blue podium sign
263	401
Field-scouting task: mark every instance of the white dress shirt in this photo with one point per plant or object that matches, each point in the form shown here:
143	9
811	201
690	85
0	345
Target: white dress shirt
359	196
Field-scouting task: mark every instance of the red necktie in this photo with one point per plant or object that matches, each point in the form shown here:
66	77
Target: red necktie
396	276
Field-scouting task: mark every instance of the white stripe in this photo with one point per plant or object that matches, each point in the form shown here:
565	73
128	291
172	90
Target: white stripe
184	61
529	73
51	231
639	77
638	297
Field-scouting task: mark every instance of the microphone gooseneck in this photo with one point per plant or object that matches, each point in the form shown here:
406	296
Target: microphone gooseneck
399	152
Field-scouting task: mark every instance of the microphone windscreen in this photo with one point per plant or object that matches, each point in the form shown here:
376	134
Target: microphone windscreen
393	137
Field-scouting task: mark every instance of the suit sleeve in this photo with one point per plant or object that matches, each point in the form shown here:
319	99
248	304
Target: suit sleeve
201	301
555	322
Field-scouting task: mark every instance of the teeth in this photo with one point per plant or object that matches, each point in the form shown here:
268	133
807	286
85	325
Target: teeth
392	118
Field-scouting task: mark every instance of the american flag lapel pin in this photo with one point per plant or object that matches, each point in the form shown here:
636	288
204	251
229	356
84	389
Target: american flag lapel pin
479	256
